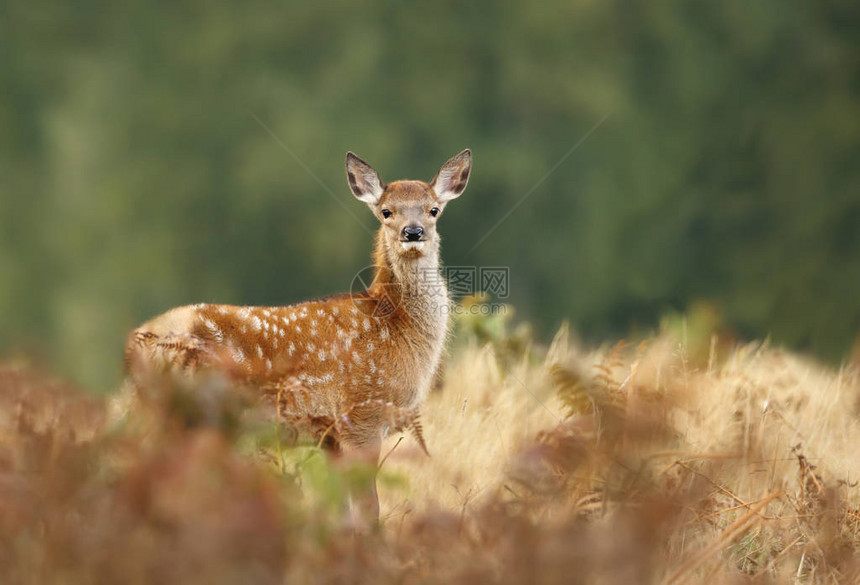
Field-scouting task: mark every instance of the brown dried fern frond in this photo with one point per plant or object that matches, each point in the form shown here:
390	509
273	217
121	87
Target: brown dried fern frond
574	390
614	360
409	419
584	395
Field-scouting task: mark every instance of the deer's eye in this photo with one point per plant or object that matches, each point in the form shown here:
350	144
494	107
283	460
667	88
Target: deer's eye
386	213
434	212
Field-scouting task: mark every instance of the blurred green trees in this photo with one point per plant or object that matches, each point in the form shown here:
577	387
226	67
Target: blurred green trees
134	174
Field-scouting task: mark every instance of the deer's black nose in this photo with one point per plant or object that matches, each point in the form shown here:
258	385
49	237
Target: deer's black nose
413	233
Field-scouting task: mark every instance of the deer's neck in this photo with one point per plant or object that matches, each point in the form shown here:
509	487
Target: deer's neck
416	279
416	287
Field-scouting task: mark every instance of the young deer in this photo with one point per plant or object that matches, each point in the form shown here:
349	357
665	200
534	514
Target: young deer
350	367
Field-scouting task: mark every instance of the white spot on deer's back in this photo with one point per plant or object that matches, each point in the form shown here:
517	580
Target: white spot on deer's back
285	319
281	332
370	347
320	312
259	351
267	312
292	348
384	333
275	342
266	325
366	324
313	322
321	355
356	358
268	364
311	347
380	381
372	367
238	355
327	378
298	329
213	330
303	312
335	310
256	323
244	312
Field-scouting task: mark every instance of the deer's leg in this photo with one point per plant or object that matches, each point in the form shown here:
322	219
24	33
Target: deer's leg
360	431
363	498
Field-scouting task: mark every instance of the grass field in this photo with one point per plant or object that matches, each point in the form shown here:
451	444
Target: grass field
683	458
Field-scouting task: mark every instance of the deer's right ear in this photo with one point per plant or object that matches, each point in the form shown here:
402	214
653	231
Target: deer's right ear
363	180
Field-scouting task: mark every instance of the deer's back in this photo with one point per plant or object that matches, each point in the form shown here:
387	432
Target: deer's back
336	352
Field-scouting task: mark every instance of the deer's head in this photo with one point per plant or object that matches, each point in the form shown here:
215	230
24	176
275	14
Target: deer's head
409	210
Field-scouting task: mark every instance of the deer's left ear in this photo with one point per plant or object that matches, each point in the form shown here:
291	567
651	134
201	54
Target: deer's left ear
450	182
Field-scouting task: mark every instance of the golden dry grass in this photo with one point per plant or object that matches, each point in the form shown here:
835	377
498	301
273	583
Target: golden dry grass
682	459
720	432
485	413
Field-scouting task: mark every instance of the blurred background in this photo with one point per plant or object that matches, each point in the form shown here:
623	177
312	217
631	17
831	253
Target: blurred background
156	154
